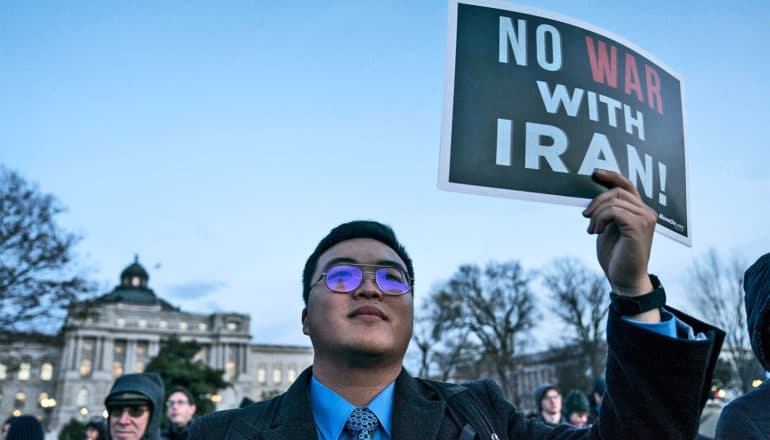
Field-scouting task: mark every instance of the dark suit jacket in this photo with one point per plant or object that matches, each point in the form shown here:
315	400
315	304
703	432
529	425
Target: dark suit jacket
656	388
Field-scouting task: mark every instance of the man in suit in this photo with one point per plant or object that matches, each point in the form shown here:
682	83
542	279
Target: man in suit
358	291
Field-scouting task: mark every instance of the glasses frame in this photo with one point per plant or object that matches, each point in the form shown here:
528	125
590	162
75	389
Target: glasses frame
133	411
363	273
177	402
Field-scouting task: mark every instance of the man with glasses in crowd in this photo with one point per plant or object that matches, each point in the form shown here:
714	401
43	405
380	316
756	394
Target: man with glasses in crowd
180	409
358	290
135	405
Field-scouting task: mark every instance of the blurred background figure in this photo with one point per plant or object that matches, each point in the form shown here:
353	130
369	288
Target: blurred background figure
25	428
747	417
96	429
6	425
576	408
549	405
135	407
597	394
180	409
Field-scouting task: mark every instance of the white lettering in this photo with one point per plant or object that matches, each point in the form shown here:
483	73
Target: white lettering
632	121
639	172
598	148
504	131
560	96
518	45
613	105
534	150
555	63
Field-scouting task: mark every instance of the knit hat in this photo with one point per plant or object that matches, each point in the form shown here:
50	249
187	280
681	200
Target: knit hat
575	402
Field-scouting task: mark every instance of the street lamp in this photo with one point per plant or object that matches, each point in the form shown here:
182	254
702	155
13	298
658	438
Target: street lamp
47	404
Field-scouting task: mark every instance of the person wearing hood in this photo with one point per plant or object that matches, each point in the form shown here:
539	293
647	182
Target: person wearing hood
549	405
747	417
134	405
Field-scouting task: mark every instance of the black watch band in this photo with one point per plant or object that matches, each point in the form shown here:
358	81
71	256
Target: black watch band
633	305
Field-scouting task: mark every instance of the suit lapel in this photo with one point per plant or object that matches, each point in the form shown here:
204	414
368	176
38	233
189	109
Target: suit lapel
415	416
294	417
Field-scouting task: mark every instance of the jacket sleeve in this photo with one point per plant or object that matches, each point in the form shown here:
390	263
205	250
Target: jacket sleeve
656	385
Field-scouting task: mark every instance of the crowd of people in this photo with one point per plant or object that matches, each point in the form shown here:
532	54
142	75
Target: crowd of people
358	313
575	409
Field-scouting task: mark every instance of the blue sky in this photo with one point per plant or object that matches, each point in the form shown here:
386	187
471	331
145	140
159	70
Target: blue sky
221	141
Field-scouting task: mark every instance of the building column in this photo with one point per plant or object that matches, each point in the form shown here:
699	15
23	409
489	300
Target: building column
153	349
76	355
130	356
242	358
98	356
109	353
213	355
66	353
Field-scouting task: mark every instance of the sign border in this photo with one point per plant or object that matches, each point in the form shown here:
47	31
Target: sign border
448	110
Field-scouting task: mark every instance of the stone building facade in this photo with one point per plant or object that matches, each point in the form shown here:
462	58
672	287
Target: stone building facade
118	333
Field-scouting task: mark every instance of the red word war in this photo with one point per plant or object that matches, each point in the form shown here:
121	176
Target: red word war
604	69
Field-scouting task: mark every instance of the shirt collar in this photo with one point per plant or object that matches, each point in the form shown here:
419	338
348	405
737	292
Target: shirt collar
331	410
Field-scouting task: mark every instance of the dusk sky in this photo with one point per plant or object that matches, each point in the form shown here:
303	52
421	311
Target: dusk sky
220	141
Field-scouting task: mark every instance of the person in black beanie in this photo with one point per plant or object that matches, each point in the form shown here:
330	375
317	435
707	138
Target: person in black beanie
25	428
746	417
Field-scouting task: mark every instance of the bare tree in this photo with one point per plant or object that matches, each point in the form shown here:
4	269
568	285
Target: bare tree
581	302
38	277
717	291
496	307
444	349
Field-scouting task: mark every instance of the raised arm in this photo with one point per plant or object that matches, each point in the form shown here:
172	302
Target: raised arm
625	226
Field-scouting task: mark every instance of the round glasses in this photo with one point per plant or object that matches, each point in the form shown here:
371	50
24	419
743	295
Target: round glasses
345	278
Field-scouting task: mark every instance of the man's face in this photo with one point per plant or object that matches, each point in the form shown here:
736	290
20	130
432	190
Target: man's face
551	402
364	322
128	422
179	409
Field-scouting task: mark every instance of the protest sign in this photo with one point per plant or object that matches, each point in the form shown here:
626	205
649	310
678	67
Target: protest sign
534	102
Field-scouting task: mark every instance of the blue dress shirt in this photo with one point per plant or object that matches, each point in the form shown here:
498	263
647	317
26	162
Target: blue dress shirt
669	325
331	411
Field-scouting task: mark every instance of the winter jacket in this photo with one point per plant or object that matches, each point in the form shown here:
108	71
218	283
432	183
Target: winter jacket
747	417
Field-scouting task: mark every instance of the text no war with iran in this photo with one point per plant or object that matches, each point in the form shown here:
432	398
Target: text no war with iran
534	102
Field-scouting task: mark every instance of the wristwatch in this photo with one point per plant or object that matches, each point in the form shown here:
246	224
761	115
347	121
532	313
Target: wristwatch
633	305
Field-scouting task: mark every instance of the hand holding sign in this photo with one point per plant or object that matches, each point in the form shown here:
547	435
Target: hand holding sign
625	226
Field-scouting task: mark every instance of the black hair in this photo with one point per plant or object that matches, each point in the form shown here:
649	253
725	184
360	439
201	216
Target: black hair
183	390
349	231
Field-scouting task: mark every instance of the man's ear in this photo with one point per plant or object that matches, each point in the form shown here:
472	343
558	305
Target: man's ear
305	329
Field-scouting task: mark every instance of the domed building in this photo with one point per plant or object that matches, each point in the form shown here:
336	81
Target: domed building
69	375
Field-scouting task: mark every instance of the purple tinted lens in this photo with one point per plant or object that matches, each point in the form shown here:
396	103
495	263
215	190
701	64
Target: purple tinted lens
343	278
392	280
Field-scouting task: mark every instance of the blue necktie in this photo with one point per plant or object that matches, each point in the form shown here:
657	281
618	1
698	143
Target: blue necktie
362	423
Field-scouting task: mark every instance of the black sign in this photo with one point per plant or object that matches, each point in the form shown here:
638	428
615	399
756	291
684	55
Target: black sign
535	102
